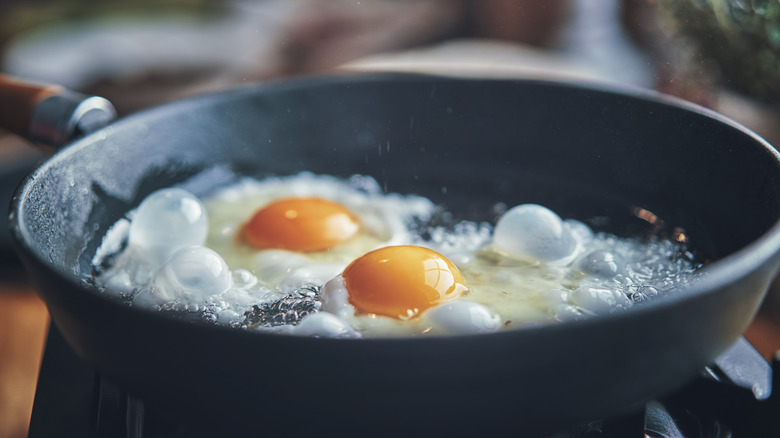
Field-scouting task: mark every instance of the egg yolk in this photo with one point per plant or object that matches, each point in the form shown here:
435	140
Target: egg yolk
401	281
300	224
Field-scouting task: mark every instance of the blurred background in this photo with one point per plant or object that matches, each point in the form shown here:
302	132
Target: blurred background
723	54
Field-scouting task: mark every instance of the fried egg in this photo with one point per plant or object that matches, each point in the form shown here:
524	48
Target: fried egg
306	228
276	235
314	255
405	289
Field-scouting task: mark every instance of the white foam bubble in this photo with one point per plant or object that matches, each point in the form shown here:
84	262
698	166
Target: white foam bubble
324	324
243	279
582	232
192	273
530	230
335	298
462	317
167	220
602	263
228	317
599	300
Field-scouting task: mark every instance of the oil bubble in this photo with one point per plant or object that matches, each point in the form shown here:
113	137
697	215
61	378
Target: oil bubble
534	231
192	273
167	220
462	317
602	263
599	301
324	325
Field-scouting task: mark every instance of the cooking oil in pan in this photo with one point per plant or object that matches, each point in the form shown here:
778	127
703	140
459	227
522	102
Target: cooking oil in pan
320	256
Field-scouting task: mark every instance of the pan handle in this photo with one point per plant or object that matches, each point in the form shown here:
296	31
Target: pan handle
50	114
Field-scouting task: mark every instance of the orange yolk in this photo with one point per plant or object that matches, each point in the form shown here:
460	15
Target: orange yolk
300	224
401	281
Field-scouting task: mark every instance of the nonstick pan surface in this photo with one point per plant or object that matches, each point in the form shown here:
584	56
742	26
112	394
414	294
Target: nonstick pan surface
588	153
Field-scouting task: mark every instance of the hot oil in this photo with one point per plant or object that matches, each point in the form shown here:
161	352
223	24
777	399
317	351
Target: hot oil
603	274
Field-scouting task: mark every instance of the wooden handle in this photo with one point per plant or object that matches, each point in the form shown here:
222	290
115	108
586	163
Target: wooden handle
50	114
18	99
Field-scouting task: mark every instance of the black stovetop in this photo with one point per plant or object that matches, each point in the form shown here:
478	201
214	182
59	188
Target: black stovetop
734	397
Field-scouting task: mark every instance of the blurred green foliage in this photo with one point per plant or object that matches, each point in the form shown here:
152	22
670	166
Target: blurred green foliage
742	37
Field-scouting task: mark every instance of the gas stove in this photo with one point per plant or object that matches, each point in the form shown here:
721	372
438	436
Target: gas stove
734	397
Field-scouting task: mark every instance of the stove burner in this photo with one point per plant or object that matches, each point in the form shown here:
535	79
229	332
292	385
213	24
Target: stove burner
734	397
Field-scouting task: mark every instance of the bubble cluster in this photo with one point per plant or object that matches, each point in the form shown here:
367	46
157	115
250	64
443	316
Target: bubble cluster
290	309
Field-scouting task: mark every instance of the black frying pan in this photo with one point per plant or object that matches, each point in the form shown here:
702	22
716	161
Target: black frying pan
586	152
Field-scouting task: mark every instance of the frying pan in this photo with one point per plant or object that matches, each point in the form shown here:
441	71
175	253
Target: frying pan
587	151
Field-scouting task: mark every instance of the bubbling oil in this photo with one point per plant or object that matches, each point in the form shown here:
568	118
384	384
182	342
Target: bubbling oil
529	268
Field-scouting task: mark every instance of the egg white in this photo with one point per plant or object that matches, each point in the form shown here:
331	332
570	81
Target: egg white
558	271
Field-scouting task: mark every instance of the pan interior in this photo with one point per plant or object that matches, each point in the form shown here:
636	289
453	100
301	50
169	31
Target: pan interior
467	145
